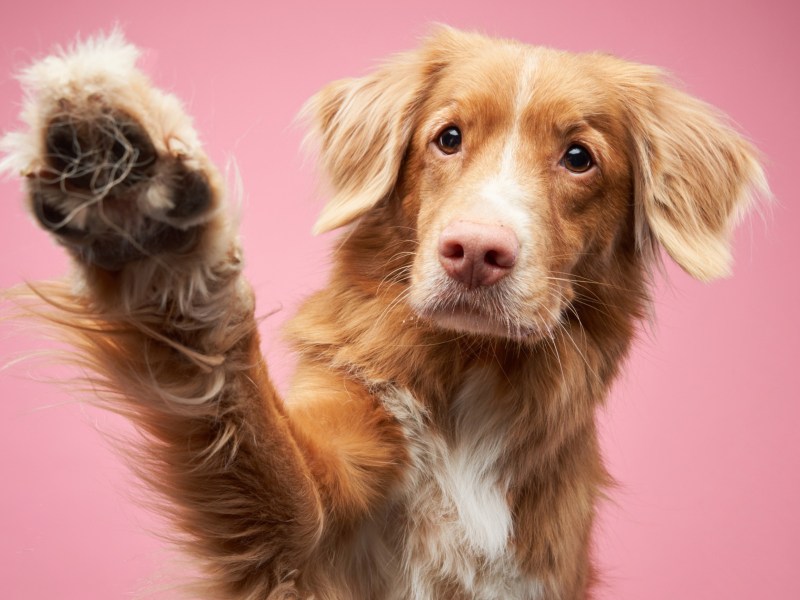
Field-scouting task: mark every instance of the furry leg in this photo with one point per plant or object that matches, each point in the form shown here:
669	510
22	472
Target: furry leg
160	313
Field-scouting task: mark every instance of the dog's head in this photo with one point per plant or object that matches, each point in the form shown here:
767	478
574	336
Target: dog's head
524	175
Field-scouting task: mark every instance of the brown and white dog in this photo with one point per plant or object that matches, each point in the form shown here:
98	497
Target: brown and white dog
504	205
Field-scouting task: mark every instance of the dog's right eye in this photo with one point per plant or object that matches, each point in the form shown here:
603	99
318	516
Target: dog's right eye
577	159
449	140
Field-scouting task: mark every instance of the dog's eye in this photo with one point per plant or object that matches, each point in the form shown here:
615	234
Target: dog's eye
449	140
577	159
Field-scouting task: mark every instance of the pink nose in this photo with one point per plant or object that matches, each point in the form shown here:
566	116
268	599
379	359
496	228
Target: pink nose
477	254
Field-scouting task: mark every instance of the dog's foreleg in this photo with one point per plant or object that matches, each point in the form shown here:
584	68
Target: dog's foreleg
162	316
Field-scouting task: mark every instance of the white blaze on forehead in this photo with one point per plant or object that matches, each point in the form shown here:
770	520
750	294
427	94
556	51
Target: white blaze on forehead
503	195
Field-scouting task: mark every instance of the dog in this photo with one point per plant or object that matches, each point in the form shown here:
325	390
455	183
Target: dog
504	208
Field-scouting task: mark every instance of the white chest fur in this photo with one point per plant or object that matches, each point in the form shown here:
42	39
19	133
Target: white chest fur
459	526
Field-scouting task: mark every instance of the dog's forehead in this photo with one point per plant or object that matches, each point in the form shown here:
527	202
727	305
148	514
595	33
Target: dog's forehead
511	78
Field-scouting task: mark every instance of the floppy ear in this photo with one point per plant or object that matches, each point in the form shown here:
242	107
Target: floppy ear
695	176
363	126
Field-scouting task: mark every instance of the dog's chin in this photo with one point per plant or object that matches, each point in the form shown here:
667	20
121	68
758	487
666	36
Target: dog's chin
472	322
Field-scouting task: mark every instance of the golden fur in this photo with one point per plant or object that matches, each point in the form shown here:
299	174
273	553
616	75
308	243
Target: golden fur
438	441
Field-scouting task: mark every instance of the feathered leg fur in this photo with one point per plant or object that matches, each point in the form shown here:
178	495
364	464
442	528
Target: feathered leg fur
160	314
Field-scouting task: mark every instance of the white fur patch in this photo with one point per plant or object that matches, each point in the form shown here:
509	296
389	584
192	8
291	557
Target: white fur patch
503	194
469	476
459	522
91	67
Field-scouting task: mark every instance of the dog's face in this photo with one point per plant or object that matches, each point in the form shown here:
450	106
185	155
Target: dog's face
519	173
525	173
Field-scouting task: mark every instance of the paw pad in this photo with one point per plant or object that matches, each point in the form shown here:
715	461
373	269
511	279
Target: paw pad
98	168
99	153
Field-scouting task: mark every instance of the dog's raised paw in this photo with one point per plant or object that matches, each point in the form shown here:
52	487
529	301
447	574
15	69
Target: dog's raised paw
106	193
114	169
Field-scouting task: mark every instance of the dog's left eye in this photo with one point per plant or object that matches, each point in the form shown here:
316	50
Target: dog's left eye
449	140
577	159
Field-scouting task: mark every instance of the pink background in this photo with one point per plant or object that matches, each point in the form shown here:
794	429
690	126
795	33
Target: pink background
702	431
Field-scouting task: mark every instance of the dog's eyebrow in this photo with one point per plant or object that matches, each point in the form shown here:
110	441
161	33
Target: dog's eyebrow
441	117
594	125
573	129
566	127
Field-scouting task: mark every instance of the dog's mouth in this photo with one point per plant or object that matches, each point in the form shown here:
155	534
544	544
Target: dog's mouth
518	309
463	313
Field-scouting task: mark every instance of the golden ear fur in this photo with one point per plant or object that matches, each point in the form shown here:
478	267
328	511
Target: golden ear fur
362	127
695	176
